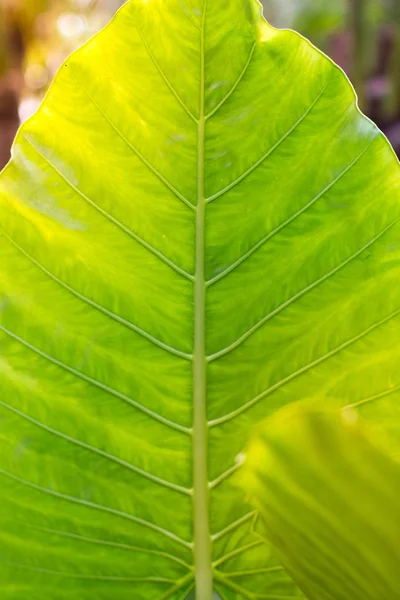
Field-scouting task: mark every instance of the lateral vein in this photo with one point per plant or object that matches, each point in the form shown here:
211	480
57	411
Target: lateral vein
177	587
98	384
390	390
269	152
293	299
185	10
271	234
221	577
233	525
253	571
88	577
225	475
112	219
301	371
99	542
165	78
102	309
233	586
237	552
132	147
235	85
100	507
106	455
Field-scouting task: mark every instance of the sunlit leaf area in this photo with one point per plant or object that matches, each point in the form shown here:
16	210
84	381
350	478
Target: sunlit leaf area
36	36
362	36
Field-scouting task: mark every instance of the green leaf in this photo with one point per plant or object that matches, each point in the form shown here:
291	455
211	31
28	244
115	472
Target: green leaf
330	501
198	227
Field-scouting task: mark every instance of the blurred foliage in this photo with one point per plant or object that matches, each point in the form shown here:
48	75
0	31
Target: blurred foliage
318	18
314	18
328	491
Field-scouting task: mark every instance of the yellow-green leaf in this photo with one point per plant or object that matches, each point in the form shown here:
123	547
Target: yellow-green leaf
197	227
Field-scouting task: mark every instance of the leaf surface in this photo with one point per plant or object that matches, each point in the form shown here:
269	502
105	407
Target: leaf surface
329	499
197	227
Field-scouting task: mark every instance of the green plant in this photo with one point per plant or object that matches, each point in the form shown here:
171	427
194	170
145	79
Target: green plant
198	227
329	499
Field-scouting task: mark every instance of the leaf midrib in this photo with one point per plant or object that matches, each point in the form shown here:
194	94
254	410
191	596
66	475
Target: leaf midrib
201	525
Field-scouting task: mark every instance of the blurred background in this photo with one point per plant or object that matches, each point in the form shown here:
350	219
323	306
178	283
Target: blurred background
362	36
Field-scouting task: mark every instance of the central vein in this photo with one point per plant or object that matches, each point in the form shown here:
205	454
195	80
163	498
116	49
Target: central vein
202	539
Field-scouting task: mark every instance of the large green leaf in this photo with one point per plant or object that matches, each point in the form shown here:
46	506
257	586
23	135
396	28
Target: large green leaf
198	227
330	501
